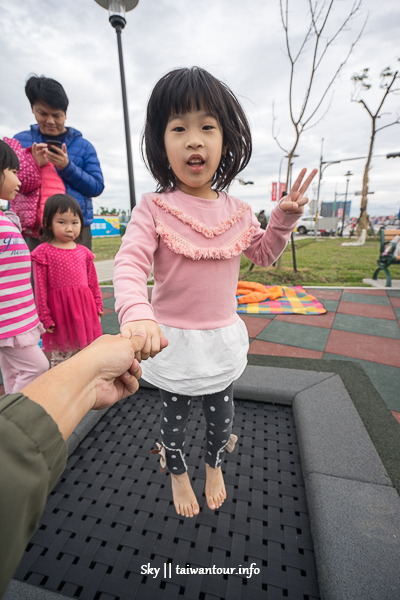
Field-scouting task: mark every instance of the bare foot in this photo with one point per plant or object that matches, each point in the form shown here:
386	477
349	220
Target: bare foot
215	487
184	499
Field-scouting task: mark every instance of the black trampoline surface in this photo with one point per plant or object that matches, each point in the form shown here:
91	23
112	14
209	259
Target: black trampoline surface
111	519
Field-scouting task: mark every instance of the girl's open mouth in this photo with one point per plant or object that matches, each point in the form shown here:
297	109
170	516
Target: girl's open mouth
196	163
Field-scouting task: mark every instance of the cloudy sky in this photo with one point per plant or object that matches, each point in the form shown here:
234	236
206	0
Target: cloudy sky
240	42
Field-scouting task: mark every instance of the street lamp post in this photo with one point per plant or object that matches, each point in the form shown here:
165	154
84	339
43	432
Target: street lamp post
347	175
117	9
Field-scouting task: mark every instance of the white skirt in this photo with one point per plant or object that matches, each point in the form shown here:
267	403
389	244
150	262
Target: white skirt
199	361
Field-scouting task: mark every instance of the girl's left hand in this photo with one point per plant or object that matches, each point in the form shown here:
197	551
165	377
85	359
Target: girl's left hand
295	201
39	154
100	315
58	156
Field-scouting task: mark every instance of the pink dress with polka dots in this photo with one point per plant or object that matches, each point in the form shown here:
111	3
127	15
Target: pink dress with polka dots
68	295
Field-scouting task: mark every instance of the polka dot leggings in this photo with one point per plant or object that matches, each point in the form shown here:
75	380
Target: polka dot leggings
218	411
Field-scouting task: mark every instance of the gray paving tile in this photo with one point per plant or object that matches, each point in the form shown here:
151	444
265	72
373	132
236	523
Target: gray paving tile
109	302
109	323
379	327
395	293
365	298
292	334
330	305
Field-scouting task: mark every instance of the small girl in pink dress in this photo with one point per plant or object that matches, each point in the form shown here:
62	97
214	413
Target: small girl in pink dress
68	296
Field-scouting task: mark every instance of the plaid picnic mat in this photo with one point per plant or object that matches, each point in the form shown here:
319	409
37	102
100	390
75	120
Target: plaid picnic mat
294	300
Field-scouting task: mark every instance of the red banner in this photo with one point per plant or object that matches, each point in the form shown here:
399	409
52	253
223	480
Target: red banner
274	190
282	188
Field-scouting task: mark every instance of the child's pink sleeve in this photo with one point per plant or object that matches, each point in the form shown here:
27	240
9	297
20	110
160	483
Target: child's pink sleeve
29	172
93	283
41	286
133	263
268	244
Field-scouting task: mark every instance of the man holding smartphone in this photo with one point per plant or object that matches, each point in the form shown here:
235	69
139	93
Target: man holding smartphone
74	158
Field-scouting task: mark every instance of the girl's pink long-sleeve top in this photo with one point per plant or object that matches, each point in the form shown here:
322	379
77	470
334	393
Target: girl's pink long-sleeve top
195	245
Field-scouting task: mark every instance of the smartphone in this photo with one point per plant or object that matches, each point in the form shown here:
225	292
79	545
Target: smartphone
53	143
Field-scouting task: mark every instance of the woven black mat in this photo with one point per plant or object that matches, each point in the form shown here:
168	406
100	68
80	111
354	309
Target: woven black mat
111	516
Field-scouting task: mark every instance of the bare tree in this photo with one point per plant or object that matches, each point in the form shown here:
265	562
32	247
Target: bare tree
316	39
362	84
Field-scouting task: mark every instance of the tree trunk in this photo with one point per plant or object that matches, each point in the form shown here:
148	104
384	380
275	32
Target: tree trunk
363	218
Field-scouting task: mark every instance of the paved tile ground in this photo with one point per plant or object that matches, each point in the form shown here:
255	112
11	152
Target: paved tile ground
361	325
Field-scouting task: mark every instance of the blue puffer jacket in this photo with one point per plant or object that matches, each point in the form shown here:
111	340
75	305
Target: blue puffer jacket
82	177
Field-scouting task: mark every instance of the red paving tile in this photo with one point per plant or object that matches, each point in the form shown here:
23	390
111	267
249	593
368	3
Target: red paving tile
105	295
385	351
325	320
2	390
371	291
254	325
325	294
270	349
395	301
396	415
107	311
374	311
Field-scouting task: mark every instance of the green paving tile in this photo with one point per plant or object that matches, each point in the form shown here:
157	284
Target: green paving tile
379	327
395	293
397	312
365	299
109	323
330	305
385	379
109	302
292	334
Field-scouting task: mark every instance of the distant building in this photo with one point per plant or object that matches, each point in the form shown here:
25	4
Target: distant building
332	209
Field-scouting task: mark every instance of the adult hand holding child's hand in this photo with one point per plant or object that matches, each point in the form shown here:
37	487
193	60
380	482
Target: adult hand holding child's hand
295	201
155	341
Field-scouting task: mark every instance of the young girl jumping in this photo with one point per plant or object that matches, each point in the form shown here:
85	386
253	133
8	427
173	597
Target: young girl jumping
68	296
195	141
21	359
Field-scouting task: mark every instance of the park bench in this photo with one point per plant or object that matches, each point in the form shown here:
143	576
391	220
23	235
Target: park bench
386	259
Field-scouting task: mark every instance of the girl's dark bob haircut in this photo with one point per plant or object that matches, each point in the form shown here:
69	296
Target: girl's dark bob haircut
8	160
58	203
181	91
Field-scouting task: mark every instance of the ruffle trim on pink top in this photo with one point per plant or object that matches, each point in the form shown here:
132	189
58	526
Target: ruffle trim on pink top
208	232
22	340
180	245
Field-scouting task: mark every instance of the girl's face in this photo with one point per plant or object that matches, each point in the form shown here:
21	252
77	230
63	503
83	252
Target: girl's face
194	146
10	186
66	226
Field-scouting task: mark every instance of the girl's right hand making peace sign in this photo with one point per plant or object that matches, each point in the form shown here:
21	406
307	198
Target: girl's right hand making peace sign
155	341
295	201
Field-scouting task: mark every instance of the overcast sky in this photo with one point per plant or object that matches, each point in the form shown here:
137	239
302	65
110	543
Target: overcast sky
240	42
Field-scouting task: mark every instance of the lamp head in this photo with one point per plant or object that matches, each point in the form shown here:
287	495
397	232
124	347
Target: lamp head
117	10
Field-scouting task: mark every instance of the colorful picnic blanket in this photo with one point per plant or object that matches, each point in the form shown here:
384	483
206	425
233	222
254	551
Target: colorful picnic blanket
294	300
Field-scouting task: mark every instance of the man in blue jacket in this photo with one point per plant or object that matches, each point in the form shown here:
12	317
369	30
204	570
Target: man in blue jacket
75	159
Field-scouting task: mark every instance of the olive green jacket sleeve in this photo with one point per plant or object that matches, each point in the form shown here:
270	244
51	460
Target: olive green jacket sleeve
33	455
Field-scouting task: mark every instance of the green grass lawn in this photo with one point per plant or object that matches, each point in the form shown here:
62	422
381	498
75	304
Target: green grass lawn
321	261
105	248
